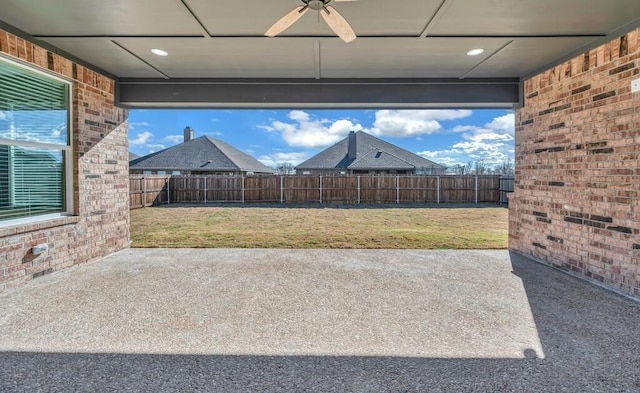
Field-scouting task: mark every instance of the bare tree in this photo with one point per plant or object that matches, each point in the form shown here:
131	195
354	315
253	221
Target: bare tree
506	168
480	167
466	168
285	168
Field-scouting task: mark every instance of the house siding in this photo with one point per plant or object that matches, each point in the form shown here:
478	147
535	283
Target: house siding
576	203
100	224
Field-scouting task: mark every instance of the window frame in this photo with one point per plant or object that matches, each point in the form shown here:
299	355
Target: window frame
66	150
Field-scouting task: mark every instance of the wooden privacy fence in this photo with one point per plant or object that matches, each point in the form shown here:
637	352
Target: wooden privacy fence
507	184
147	191
157	190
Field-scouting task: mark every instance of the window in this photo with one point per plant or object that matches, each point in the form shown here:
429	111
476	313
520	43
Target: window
35	148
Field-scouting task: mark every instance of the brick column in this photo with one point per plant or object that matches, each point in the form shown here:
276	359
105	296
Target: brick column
576	203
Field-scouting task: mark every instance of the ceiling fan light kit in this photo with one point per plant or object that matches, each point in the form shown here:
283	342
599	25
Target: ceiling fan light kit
331	16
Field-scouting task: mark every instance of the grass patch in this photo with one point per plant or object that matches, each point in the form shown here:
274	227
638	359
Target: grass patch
337	227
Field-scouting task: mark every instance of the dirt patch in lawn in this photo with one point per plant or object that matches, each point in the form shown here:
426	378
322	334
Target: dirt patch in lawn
328	227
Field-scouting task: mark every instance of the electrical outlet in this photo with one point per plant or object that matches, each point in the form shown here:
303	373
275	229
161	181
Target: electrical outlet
635	85
40	248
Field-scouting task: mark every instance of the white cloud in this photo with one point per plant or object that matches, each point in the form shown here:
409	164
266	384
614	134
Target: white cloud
293	158
308	131
3	116
25	133
491	143
502	125
490	151
490	136
154	147
60	129
174	138
464	128
407	123
134	125
448	158
299	116
266	128
141	139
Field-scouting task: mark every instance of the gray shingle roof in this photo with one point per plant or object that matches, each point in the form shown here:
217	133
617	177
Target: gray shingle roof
377	159
200	154
367	147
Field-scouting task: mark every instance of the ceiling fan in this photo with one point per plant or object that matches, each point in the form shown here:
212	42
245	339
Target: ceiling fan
333	18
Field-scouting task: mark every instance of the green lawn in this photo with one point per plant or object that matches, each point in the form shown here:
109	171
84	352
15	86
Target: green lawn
317	227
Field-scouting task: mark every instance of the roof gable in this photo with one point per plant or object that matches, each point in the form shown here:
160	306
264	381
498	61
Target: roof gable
200	154
336	156
332	157
240	159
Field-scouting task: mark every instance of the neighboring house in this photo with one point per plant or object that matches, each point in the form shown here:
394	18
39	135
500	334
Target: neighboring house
133	156
361	153
199	156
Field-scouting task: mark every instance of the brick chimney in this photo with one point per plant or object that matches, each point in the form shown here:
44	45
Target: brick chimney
351	149
188	134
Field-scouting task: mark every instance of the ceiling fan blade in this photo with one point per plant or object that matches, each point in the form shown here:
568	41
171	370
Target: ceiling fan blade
286	21
338	24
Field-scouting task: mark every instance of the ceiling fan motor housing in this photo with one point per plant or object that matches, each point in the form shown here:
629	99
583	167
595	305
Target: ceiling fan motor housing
317	5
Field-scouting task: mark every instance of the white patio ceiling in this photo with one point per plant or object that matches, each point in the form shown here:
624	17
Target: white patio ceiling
414	40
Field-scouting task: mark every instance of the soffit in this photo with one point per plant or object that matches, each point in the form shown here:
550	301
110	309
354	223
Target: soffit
396	39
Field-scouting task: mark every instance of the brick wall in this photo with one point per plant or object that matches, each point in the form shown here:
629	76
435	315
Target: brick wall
576	202
101	182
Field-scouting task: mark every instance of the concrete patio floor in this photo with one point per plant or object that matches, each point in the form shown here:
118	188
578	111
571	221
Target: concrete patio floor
240	320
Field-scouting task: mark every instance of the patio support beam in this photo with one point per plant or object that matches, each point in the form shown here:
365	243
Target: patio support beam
324	93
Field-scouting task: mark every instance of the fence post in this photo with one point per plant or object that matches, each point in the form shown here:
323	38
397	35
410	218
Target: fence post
438	189
476	189
242	188
321	189
398	189
168	191
144	191
358	189
281	189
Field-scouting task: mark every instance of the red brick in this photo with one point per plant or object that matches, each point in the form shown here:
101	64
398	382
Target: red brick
603	183
78	239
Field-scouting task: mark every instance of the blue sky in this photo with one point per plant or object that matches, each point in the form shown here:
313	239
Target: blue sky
448	137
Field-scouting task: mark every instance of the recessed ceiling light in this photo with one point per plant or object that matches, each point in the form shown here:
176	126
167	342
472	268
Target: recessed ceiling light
475	52
159	52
